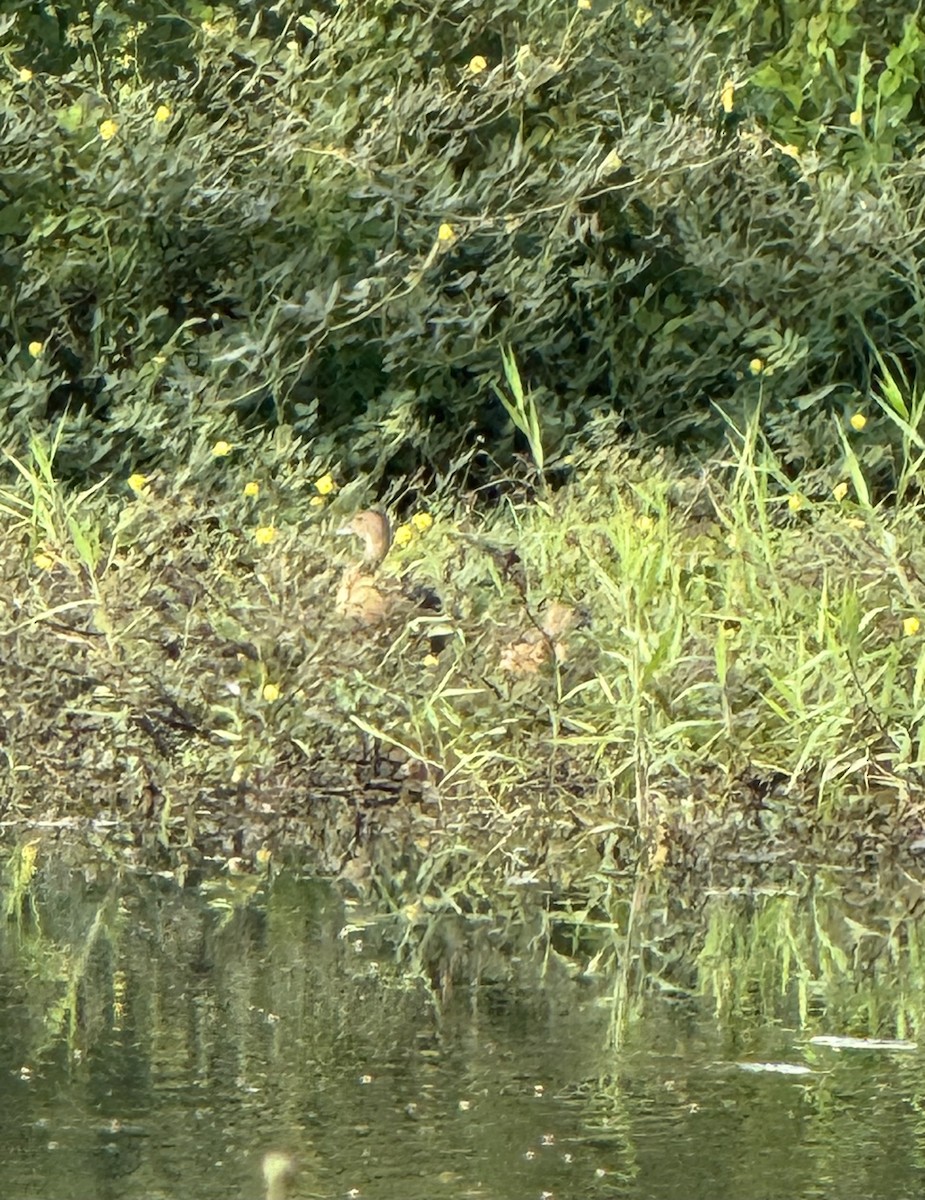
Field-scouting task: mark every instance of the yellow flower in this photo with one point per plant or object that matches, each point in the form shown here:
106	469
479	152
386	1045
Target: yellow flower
108	130
856	117
756	366
840	491
858	421
911	626
25	75
584	4
422	521
613	162
270	693
795	502
325	485
137	482
265	534
162	114
36	348
252	489
403	535
727	96
645	523
222	449
477	64
43	560
317	501
445	233
430	660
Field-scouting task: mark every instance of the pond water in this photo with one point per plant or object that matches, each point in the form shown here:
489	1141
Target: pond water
156	1041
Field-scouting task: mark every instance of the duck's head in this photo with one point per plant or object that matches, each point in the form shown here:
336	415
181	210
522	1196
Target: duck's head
373	527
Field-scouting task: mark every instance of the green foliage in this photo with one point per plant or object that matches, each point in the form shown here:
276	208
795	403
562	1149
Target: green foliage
839	77
522	410
53	519
218	218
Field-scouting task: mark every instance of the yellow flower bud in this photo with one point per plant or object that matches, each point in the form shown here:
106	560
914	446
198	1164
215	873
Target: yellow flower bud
222	449
477	64
43	560
858	421
911	626
727	96
36	349
445	233
403	535
325	485
252	489
161	114
422	521
796	502
756	366
271	693
265	534
856	117
25	75
108	130
137	482
840	491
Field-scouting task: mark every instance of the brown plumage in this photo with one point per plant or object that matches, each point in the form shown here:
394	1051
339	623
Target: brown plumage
359	596
374	528
546	641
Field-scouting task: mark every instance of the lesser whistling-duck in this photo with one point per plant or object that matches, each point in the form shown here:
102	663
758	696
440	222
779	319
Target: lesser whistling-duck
359	595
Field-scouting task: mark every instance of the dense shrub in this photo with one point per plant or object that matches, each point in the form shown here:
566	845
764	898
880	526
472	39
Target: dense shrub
337	218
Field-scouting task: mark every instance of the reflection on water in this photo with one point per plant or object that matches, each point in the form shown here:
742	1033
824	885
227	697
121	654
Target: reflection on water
155	1043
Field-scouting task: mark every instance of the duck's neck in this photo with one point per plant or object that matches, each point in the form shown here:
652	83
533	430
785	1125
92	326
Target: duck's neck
376	543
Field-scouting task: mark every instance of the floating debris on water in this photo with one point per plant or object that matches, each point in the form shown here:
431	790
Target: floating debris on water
861	1043
775	1068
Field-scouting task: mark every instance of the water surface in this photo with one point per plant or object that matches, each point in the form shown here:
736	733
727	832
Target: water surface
155	1041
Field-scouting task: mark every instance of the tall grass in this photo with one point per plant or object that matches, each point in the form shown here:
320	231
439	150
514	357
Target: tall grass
722	627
